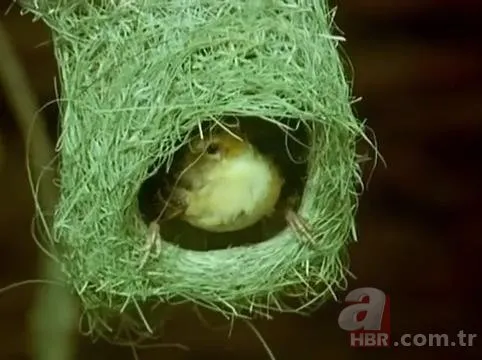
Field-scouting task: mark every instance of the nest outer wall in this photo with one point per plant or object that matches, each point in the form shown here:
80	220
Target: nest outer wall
137	77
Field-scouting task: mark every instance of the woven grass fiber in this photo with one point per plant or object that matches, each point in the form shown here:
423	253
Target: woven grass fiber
137	77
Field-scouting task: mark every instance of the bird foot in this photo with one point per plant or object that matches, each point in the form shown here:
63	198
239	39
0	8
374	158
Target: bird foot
300	226
173	207
153	243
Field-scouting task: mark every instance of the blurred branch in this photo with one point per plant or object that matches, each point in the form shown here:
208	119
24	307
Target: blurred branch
54	317
2	152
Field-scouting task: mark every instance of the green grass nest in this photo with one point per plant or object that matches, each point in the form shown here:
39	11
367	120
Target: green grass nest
137	77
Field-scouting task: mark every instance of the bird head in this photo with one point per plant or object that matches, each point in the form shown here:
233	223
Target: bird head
219	146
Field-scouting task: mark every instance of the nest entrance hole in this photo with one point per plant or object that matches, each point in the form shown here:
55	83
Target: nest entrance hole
289	152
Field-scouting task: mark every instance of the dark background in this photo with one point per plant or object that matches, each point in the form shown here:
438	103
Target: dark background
418	69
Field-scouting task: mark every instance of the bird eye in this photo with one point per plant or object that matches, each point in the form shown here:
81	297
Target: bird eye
212	149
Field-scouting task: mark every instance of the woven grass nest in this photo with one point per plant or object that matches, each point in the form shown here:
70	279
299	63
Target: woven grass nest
137	80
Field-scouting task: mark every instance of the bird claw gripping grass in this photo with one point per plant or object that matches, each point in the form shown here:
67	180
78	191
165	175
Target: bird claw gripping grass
136	77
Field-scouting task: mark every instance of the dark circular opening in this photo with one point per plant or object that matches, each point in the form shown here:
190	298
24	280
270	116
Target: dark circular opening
289	153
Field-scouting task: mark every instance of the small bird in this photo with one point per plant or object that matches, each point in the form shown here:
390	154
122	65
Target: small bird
224	184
